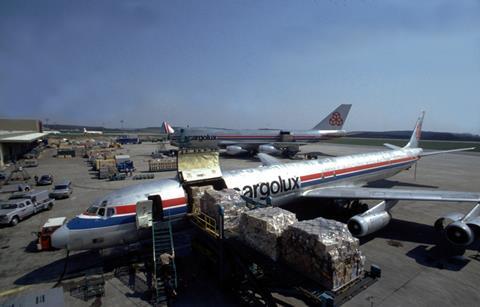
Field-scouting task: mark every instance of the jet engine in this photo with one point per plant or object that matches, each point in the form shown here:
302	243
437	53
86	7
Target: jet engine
459	229
235	150
362	225
268	149
371	220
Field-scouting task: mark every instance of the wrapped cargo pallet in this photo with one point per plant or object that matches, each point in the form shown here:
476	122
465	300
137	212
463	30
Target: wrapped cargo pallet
196	194
261	229
159	165
230	201
324	250
106	171
104	163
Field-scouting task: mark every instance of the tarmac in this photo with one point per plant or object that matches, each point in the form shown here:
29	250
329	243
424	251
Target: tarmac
416	270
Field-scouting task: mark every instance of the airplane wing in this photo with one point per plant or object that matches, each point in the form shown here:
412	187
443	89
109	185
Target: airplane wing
392	194
253	142
267	159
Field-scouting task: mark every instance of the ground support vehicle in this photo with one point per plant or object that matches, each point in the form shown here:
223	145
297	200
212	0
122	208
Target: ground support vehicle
44	235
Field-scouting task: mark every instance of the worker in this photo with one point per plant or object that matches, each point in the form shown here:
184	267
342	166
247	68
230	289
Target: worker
36	178
165	260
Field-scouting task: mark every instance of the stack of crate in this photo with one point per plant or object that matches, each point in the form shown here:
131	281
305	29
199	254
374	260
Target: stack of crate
262	228
323	250
106	168
159	165
227	200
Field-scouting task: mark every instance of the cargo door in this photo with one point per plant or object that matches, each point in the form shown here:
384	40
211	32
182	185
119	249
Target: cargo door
144	214
196	165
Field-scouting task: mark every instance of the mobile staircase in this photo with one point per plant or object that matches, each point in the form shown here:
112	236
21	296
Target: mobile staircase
163	243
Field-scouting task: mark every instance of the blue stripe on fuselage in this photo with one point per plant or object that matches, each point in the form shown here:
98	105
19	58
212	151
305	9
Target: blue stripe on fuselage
79	223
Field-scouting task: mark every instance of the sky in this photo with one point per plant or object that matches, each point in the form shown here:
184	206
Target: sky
242	64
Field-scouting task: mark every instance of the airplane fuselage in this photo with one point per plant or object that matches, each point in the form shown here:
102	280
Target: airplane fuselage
111	220
222	138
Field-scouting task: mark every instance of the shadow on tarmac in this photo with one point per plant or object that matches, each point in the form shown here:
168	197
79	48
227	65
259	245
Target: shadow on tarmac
385	183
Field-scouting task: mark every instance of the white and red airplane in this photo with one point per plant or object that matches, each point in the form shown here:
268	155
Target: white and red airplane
111	220
269	141
85	131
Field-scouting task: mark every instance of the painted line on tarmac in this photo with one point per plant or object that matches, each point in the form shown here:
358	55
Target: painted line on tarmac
12	291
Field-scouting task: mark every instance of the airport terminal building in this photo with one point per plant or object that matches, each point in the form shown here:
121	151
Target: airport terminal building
17	137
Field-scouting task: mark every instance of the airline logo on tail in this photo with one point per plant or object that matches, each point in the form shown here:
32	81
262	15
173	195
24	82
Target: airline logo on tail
418	130
167	128
336	119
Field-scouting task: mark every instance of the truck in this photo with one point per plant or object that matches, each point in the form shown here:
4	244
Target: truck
124	163
22	205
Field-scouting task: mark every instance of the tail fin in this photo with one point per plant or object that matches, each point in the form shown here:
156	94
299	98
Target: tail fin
84	130
334	120
417	132
167	128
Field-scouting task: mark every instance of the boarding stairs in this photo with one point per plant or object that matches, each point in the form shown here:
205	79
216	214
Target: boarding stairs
162	240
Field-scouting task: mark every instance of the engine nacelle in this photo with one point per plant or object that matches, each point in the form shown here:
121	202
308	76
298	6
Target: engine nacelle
235	150
460	229
364	224
268	149
459	233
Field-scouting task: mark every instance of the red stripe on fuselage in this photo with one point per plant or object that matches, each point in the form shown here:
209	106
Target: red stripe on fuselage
355	168
173	202
126	209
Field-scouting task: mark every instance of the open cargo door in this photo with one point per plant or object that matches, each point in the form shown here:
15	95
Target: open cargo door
198	164
144	214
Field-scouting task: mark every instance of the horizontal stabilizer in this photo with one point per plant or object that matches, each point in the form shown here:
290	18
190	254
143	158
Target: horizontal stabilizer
391	146
431	153
268	160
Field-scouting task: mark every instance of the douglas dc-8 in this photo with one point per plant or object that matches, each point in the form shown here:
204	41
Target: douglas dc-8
111	221
267	141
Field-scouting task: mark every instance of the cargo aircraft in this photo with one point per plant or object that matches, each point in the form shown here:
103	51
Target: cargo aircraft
85	131
254	141
111	220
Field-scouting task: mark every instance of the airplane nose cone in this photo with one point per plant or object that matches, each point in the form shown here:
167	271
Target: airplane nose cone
60	237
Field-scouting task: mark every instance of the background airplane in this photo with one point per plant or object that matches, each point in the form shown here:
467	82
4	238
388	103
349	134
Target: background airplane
268	141
110	220
85	131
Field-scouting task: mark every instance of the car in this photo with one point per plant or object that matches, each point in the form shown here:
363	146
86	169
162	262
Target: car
62	190
45	180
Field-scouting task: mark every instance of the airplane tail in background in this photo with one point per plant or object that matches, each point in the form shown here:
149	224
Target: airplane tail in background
84	130
334	120
417	132
167	128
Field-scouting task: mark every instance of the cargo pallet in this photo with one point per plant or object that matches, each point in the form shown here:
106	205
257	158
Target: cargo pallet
254	277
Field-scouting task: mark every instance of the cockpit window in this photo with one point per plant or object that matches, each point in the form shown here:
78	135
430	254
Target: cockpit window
101	212
92	210
110	211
